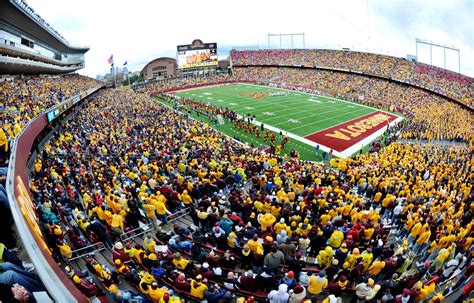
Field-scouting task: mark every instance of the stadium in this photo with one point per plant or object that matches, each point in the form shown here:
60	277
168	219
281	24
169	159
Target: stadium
276	175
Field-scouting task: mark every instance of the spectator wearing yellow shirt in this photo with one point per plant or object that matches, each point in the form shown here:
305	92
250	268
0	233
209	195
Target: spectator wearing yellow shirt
376	267
161	211
150	211
198	288
117	224
279	226
317	283
423	240
179	261
155	292
255	245
336	238
416	229
64	249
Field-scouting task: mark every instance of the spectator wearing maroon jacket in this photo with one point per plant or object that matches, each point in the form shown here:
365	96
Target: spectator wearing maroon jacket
181	283
247	282
205	271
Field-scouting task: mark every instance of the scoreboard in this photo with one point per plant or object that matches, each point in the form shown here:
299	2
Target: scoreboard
197	54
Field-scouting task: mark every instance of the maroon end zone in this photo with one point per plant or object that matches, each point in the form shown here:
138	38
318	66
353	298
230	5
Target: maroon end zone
343	136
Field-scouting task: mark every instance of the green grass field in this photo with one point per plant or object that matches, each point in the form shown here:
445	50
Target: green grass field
297	113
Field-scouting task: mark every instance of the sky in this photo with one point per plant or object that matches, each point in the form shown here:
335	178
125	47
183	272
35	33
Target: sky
142	30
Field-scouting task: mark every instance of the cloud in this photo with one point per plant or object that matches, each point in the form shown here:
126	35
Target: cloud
140	31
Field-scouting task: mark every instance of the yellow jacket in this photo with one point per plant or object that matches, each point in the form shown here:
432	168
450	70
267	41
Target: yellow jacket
336	239
117	221
376	267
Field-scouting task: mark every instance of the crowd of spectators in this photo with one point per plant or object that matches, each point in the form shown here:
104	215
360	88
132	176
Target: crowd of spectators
381	225
22	99
434	117
445	82
170	84
394	224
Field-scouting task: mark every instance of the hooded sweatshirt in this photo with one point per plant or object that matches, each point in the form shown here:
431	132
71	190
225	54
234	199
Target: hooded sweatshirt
281	237
279	296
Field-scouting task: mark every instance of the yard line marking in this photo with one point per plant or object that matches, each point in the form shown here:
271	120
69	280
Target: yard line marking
329	118
322	113
293	121
332	98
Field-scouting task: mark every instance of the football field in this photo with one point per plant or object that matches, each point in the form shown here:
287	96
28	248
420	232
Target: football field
330	122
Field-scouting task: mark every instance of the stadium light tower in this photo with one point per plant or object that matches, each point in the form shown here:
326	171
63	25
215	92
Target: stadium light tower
282	35
444	47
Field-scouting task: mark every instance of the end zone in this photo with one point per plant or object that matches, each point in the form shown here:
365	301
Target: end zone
347	134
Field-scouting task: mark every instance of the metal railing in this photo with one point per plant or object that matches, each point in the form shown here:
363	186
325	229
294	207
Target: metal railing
102	247
133	235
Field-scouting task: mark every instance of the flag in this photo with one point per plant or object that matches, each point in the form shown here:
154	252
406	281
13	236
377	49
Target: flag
111	59
125	63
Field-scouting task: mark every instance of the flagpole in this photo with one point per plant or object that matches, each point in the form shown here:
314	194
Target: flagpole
115	80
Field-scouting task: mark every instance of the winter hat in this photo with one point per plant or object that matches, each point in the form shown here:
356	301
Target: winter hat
298	289
118	245
322	273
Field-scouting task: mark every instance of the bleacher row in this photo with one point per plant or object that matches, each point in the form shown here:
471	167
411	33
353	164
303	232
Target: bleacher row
124	160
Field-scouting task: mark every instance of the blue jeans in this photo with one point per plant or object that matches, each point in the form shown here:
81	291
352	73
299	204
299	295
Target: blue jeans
12	274
162	218
4	197
3	171
185	245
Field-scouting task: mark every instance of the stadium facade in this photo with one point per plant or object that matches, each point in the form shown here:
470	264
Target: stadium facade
29	45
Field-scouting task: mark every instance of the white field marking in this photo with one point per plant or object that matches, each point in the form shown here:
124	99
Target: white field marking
332	98
249	107
232	103
220	100
329	118
312	100
268	114
209	98
207	93
312	116
284	107
293	121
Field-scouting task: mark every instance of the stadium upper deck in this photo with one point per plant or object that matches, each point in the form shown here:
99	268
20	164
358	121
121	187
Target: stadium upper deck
29	45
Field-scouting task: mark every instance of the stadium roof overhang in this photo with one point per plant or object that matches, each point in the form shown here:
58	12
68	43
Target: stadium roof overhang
9	65
16	14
